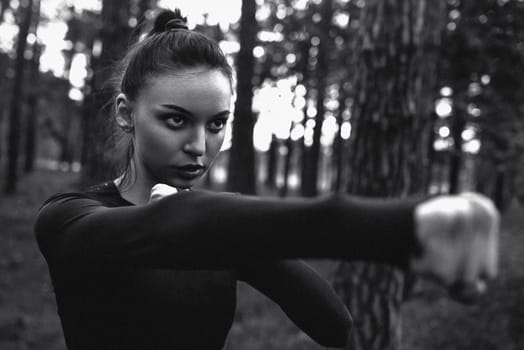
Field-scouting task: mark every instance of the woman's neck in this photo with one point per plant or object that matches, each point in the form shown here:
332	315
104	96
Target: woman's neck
133	187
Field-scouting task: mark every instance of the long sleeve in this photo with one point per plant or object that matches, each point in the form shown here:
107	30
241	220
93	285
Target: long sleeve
305	296
199	229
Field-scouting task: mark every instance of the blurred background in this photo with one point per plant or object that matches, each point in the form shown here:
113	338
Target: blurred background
387	98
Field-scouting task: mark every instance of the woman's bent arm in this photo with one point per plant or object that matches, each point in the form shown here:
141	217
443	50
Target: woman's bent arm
305	296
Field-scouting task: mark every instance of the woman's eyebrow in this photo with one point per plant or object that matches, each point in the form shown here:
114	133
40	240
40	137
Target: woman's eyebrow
223	114
185	111
176	108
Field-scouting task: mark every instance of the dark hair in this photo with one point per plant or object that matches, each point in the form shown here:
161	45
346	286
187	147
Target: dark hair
168	46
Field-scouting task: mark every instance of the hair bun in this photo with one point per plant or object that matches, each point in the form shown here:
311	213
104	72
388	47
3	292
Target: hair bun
176	23
168	20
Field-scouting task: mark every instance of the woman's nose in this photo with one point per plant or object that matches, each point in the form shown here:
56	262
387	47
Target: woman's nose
196	145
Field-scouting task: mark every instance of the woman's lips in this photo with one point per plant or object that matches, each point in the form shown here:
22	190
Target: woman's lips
190	171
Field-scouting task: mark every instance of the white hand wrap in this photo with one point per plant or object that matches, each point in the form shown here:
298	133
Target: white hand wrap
160	191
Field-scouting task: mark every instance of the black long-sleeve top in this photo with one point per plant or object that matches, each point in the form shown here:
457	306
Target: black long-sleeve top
163	275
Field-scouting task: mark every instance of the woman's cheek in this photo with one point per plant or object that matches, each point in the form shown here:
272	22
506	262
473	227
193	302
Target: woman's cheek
216	145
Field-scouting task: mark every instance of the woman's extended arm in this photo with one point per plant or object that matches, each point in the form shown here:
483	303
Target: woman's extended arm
218	230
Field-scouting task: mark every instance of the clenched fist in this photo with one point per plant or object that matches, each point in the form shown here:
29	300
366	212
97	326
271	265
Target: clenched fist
459	236
160	191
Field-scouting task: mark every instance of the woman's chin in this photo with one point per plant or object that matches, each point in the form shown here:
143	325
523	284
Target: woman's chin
183	179
180	183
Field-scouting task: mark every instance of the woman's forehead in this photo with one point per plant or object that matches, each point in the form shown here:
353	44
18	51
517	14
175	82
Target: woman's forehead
195	87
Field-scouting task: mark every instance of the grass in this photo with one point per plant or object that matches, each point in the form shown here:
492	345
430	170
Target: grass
431	320
28	318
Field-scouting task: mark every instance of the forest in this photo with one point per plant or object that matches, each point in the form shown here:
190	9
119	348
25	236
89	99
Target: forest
378	98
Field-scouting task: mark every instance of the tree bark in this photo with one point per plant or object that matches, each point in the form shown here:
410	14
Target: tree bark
338	143
32	99
288	159
98	122
26	8
306	80
32	117
141	7
272	159
312	155
4	6
396	48
455	165
241	167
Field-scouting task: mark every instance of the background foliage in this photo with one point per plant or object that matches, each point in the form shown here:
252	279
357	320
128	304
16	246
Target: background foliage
382	98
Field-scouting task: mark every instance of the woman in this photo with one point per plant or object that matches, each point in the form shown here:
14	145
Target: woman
134	268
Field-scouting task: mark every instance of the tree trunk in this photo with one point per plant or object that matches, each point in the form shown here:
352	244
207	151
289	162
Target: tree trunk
4	6
141	7
498	190
272	159
288	159
31	117
2	138
62	137
312	154
396	47
98	121
431	173
306	162
306	81
65	141
241	168
338	143
26	8
32	99
455	165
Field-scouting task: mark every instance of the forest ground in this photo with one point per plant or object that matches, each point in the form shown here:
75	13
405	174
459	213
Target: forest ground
431	320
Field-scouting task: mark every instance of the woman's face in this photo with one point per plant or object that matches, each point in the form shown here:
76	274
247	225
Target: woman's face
179	125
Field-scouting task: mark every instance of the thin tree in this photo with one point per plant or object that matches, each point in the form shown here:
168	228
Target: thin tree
311	154
288	160
26	10
32	98
457	125
141	10
142	7
272	159
241	167
32	113
395	82
338	142
4	5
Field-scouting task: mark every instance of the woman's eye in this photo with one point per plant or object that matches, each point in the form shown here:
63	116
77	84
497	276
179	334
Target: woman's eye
217	125
175	121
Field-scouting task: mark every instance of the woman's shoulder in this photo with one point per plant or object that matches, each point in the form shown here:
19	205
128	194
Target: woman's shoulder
108	194
63	208
105	193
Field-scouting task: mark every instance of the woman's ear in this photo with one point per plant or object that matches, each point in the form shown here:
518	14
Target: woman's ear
124	117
